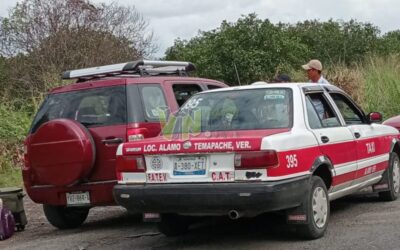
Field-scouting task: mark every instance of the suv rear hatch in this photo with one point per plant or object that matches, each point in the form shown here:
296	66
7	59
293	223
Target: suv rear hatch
75	134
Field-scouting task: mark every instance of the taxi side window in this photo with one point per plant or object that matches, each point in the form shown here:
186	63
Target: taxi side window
313	119
319	108
350	113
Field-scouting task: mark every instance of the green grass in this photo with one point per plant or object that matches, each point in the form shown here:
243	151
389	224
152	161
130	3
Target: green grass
382	85
10	177
14	125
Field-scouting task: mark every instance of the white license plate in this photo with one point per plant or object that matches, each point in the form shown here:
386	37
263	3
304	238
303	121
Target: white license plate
190	165
77	199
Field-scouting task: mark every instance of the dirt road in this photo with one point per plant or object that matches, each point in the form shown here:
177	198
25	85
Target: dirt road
356	223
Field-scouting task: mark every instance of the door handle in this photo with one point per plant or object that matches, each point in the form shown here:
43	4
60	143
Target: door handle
357	135
324	139
112	141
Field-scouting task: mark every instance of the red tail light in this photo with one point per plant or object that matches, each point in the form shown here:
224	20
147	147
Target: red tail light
135	134
256	159
134	163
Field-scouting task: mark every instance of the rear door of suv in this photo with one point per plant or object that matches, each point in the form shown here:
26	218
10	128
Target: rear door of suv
101	110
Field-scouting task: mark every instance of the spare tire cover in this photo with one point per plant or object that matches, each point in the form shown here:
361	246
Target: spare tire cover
61	152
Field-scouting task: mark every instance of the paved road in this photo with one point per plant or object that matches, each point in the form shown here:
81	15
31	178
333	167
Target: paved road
356	223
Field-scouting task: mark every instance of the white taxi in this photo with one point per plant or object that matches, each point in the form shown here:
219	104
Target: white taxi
244	151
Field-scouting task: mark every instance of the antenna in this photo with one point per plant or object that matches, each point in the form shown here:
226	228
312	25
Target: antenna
237	73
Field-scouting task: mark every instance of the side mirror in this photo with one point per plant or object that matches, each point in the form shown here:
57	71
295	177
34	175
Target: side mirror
374	117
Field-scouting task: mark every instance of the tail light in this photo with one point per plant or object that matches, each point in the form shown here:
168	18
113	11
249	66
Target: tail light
256	159
134	163
135	134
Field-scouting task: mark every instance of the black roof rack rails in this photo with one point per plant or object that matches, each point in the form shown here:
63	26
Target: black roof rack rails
141	67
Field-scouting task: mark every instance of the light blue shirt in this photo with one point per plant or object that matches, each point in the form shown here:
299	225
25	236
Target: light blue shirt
323	80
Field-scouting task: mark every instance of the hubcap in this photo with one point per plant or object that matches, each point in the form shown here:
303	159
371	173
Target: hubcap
396	176
320	207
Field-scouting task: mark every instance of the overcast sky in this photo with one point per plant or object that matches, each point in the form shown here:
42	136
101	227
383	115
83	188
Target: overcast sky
170	19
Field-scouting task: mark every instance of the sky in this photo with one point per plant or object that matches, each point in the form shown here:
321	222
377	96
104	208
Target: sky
170	19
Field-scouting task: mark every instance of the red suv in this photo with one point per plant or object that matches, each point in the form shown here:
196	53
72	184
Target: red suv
71	147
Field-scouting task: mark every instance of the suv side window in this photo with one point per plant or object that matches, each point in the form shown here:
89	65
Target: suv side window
320	113
153	100
350	113
183	92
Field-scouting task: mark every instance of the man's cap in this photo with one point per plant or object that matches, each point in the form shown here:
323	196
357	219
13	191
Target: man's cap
313	64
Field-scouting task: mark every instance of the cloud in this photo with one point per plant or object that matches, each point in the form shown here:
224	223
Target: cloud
178	18
181	18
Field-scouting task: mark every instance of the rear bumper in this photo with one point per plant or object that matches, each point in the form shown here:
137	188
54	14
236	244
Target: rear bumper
100	193
212	198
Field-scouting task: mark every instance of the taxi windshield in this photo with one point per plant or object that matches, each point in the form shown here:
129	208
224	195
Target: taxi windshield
261	108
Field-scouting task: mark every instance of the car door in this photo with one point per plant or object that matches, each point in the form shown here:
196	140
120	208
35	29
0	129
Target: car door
335	140
103	112
370	142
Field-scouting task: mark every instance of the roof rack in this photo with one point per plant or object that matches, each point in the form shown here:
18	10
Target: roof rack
140	67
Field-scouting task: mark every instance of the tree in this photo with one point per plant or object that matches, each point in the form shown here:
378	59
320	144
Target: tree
334	41
43	38
256	48
261	49
390	43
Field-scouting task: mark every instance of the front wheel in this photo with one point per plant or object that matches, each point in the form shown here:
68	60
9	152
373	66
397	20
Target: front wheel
393	175
317	210
65	217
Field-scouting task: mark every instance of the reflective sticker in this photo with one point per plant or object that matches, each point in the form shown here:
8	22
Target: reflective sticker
297	217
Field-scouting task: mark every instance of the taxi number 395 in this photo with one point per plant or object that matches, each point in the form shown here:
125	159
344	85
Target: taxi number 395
291	161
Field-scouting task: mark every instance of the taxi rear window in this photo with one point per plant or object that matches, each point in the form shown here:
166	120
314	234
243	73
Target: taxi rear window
268	108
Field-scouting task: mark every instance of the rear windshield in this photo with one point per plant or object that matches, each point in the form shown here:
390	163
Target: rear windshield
93	107
235	110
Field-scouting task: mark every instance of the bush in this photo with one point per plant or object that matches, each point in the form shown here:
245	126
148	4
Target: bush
14	125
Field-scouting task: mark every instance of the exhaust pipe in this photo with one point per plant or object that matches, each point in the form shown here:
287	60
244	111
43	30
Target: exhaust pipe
234	215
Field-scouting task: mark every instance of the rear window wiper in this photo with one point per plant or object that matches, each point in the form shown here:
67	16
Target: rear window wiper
86	124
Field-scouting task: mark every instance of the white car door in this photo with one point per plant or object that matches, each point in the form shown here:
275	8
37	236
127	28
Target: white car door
372	148
335	140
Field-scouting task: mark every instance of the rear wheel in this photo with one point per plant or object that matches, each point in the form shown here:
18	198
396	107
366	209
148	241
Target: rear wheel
393	177
317	210
173	224
65	217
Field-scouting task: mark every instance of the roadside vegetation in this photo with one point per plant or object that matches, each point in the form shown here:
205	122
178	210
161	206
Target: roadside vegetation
34	50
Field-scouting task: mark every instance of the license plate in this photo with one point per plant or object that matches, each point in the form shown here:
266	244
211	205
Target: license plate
190	165
78	199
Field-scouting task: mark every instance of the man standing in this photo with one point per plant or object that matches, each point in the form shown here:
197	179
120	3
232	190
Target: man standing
314	69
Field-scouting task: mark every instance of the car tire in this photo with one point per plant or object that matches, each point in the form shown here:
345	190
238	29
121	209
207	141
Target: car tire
317	210
393	177
65	217
173	225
